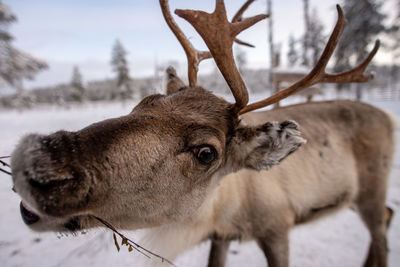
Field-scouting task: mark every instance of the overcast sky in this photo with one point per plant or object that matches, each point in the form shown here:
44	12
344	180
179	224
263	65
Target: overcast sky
76	32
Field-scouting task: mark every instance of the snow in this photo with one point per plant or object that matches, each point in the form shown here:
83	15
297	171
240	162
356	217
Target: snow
339	240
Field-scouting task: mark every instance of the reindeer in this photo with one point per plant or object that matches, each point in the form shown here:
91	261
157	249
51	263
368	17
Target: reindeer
191	166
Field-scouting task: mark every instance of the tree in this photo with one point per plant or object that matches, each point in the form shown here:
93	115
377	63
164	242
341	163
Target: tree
270	41
313	39
6	17
316	37
241	59
292	54
365	23
120	66
306	38
395	30
78	89
15	65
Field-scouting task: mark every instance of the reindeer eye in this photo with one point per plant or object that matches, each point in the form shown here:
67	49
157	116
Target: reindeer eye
205	154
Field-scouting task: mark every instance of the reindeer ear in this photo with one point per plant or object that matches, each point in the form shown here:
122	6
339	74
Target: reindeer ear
266	145
174	84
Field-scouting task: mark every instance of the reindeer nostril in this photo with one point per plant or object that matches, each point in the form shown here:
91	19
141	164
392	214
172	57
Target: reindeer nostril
47	184
38	185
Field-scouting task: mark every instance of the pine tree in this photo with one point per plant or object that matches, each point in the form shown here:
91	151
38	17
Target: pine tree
396	31
306	38
119	65
316	37
313	39
365	23
6	17
292	55
270	41
241	59
360	31
15	65
78	89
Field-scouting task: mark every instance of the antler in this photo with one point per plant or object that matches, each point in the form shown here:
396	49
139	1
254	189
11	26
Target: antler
318	74
193	55
219	34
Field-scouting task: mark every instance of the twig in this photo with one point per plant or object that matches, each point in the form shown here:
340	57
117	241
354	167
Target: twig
136	246
5	163
7	172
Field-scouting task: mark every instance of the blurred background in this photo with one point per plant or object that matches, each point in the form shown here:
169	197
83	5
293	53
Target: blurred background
68	63
64	52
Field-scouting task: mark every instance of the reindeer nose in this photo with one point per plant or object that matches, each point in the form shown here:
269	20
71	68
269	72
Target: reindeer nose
43	162
46	169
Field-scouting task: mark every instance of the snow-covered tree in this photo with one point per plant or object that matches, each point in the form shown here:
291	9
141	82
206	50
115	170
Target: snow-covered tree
277	55
316	37
241	59
306	38
6	17
292	55
270	40
365	23
119	65
15	65
395	30
395	77
313	39
24	100
78	89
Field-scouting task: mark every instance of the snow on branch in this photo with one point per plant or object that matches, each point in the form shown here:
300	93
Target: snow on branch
17	65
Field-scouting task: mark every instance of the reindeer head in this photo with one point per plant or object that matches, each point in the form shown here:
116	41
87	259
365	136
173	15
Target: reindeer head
157	164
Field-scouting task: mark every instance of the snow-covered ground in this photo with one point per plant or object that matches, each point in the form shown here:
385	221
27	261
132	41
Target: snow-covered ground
339	240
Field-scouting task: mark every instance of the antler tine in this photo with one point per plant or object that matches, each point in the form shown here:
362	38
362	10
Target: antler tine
194	56
239	14
238	17
238	41
318	74
357	74
216	24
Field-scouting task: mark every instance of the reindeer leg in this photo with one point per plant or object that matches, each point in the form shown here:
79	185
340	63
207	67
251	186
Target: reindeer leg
218	252
276	249
377	251
388	216
370	261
